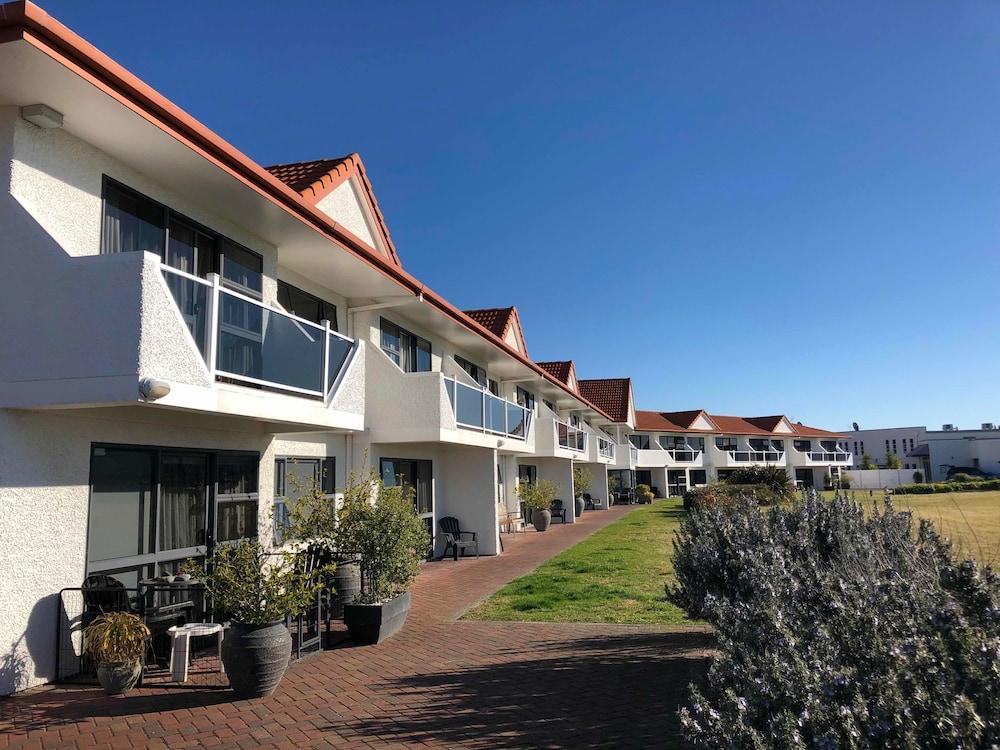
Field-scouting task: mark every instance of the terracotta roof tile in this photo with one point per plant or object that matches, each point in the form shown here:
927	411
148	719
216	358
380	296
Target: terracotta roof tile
559	370
611	395
494	319
680	421
301	175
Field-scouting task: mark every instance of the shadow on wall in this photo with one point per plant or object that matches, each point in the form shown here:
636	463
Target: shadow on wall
35	648
623	689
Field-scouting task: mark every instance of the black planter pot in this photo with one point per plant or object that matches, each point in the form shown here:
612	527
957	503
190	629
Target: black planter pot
541	519
581	505
119	677
368	624
256	657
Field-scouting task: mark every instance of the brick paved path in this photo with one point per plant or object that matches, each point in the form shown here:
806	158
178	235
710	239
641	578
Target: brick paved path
440	682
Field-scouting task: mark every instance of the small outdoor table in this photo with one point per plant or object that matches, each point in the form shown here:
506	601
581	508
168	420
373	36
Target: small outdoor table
180	649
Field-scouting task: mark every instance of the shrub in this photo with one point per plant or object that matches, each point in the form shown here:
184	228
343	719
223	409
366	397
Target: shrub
254	586
582	480
725	493
918	477
837	629
538	495
379	525
988	485
774	478
867	464
116	637
644	493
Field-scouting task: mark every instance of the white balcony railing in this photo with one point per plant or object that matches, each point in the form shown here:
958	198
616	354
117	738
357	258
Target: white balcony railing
605	448
633	452
478	409
756	457
829	457
684	455
570	437
244	340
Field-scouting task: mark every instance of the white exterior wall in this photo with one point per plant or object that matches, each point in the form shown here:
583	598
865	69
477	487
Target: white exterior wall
44	505
343	204
560	471
872	442
963	448
876	479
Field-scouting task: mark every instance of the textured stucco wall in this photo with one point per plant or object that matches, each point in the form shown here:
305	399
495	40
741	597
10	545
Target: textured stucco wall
44	503
560	471
350	397
343	206
58	177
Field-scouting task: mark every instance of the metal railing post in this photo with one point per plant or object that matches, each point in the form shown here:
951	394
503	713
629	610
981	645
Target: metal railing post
214	302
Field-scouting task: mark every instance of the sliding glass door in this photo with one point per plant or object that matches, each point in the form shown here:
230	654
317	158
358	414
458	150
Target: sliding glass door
418	475
153	508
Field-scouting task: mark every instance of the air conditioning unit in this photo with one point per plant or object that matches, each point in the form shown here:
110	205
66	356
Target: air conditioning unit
989	426
948	427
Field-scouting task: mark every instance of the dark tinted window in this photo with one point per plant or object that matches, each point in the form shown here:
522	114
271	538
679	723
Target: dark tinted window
305	305
132	223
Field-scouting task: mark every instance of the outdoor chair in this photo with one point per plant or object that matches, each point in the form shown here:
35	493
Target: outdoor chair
558	511
455	539
588	502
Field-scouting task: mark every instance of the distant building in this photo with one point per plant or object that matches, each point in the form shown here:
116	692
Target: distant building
936	453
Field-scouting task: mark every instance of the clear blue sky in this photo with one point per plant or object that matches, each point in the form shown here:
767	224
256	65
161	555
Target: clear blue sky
751	208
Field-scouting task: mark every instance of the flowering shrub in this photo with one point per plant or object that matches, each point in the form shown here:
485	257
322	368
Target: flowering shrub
837	630
725	493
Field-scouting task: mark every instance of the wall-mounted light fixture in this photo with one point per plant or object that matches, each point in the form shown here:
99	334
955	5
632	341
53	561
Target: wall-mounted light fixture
152	389
42	115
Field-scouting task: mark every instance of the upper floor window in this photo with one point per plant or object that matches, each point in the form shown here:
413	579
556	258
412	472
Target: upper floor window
551	406
639	441
698	443
475	372
411	352
726	443
672	442
802	446
135	223
525	398
759	444
305	305
778	445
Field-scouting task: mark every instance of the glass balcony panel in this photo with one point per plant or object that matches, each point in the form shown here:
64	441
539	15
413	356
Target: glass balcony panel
192	300
266	345
516	426
339	349
496	414
469	407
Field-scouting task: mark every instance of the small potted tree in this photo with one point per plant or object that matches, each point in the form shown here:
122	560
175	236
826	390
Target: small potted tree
538	497
256	589
380	526
116	641
582	481
644	494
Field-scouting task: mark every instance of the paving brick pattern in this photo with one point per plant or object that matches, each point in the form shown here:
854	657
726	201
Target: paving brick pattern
440	682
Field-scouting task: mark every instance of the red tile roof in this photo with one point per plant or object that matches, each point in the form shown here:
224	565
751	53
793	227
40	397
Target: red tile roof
499	321
681	421
317	178
611	395
559	370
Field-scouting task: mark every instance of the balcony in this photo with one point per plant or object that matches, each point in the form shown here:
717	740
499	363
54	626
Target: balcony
571	438
660	457
478	409
743	458
244	341
605	448
839	458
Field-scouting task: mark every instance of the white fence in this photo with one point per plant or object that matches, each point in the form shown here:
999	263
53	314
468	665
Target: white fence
876	479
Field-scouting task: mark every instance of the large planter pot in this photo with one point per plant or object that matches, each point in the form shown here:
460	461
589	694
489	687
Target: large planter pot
256	657
368	624
119	677
346	584
541	519
581	505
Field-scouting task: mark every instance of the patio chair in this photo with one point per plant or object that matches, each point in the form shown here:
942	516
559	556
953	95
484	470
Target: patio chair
558	511
588	502
455	539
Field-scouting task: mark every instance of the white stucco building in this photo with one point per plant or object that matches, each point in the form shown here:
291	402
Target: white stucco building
936	454
879	444
187	333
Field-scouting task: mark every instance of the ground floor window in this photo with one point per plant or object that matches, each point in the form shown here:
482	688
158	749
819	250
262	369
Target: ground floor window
294	477
527	474
644	476
620	479
805	476
153	508
724	474
417	475
698	477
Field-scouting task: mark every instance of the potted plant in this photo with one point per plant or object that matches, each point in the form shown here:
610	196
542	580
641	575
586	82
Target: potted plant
116	641
256	589
538	497
582	481
644	494
380	526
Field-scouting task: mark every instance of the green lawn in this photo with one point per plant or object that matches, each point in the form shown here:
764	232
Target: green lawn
971	519
616	575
